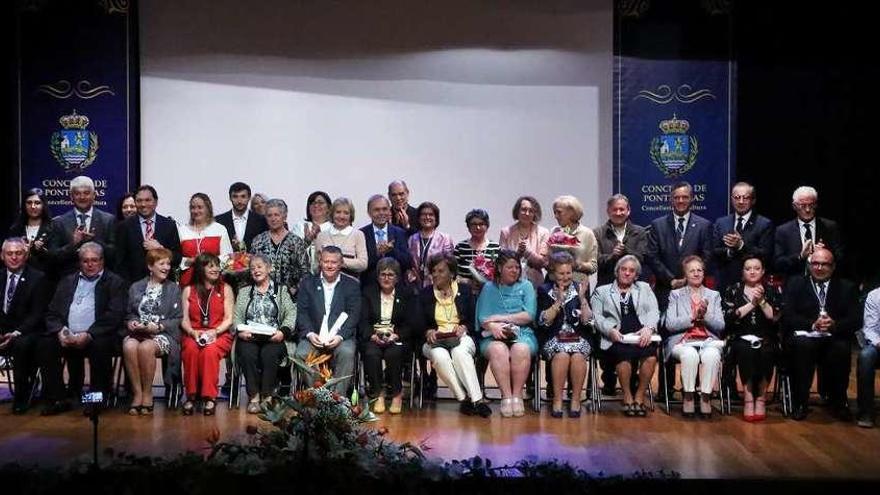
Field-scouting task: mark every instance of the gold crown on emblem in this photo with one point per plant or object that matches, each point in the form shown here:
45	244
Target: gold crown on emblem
674	126
74	121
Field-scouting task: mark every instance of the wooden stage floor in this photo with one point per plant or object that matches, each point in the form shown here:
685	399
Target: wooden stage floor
724	447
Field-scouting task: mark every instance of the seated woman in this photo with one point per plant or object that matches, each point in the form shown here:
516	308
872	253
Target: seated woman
287	253
751	309
563	313
207	317
425	243
152	329
448	310
388	317
349	240
695	324
626	315
266	305
505	308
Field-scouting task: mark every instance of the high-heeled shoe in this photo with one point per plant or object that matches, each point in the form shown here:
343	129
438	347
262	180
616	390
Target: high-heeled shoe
705	406
688	406
189	407
396	405
519	409
209	408
760	409
379	405
507	407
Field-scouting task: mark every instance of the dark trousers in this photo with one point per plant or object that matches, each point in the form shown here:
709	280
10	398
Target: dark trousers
868	361
393	356
755	365
23	352
831	355
259	363
99	352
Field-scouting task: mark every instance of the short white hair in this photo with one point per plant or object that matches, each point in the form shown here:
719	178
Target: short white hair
82	182
91	246
804	191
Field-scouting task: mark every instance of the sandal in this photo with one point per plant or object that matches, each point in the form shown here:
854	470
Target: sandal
188	408
640	409
253	407
147	410
628	410
134	411
209	408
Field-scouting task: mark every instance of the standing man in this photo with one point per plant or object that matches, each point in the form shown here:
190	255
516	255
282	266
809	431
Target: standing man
383	239
241	223
402	214
25	294
738	235
797	239
84	223
82	322
820	313
142	232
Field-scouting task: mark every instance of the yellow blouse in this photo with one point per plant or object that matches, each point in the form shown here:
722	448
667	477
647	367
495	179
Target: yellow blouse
445	312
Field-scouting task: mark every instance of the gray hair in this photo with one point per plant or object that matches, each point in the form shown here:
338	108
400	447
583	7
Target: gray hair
91	246
617	197
261	196
804	191
395	182
626	259
261	257
82	182
277	203
377	197
387	263
14	240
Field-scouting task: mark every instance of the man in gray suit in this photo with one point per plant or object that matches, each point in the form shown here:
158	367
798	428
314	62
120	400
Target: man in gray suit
84	223
329	293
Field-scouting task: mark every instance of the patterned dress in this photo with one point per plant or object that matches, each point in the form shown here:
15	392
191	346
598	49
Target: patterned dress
290	257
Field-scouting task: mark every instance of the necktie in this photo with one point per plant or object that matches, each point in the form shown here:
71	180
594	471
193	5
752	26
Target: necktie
380	235
808	234
739	225
10	292
148	229
680	230
82	219
821	294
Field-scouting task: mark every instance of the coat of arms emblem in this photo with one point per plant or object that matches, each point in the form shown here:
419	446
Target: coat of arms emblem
674	152
74	147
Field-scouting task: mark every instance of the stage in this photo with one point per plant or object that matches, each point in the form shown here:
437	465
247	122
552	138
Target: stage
723	447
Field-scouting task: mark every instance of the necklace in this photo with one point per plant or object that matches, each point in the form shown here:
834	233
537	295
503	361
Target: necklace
206	309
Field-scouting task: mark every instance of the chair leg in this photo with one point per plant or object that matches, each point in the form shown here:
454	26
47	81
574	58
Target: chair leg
412	381
536	388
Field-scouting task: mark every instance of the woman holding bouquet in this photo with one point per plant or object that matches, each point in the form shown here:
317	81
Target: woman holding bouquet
388	317
569	235
505	310
563	314
527	238
152	329
286	252
266	303
626	315
207	317
476	255
349	240
426	243
201	235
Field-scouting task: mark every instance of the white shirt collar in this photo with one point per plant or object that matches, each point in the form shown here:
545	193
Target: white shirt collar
151	218
346	231
686	216
87	213
243	216
330	285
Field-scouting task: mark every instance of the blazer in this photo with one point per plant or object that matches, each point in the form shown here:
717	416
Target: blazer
404	313
28	306
110	304
757	238
170	312
62	249
41	260
788	245
310	306
413	214
283	301
130	254
635	242
800	306
679	315
464	305
399	252
606	309
256	224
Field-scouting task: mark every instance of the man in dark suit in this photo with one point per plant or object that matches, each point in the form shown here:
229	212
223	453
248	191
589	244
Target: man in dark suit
84	223
82	322
402	214
25	293
331	294
618	237
383	239
241	223
797	239
820	314
142	232
740	234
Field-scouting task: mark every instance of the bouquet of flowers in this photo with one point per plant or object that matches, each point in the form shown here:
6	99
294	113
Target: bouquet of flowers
482	268
563	240
237	263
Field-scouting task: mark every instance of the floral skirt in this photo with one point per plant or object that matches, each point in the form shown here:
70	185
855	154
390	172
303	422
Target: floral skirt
554	347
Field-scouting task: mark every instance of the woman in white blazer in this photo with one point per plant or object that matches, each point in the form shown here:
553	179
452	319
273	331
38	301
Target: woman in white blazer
695	323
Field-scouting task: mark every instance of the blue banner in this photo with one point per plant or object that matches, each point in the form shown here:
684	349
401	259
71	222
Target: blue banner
78	100
674	110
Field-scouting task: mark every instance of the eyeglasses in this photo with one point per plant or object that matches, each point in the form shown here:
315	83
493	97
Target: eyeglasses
741	197
387	274
476	224
820	264
805	206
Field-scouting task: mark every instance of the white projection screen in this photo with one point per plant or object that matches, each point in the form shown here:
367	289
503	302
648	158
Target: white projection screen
473	103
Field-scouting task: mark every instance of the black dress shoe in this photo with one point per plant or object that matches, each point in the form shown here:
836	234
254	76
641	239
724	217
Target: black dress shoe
842	412
482	409
55	408
799	413
19	409
466	407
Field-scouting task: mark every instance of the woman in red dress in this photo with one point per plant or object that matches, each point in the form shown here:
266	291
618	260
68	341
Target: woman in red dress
201	235
205	340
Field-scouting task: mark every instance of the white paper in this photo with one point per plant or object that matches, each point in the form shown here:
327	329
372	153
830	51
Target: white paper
751	338
814	334
327	335
633	338
257	328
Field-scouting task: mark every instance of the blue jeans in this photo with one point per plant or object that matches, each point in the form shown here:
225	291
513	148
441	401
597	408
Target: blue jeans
868	360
